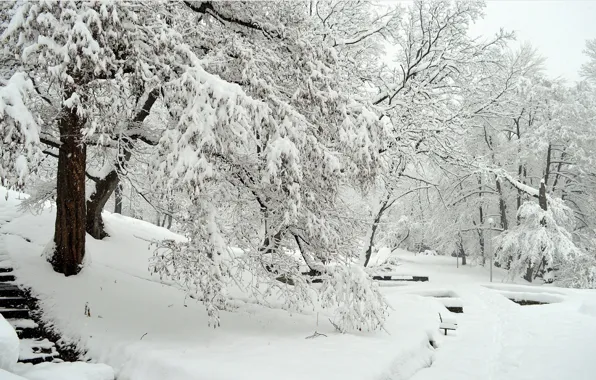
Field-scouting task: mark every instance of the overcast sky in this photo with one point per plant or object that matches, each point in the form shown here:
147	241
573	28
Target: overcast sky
558	29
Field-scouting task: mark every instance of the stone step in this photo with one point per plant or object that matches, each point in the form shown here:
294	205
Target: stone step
34	347
29	333
6	277
14	313
37	346
26	328
12	302
39	358
20	323
37	351
9	290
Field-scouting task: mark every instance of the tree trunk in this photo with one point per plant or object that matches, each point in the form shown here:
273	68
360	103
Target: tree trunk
548	160
307	259
481	225
542	197
529	270
118	199
502	207
107	185
69	234
557	175
543	205
519	168
373	231
519	193
97	200
462	252
270	247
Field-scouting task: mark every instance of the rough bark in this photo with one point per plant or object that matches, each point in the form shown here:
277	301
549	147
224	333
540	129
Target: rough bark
542	198
95	204
69	234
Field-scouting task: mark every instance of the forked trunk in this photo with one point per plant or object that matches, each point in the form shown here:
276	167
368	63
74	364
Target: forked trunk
69	235
97	201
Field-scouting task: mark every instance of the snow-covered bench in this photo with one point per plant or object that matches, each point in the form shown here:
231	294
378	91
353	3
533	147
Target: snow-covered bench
447	325
398	277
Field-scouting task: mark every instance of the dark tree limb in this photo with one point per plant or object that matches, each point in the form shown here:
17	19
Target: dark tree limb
206	7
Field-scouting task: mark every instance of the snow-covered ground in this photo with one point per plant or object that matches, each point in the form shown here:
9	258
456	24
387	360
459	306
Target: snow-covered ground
147	329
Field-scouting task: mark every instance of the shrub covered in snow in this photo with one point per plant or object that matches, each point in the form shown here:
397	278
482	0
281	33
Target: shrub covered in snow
579	273
360	305
542	241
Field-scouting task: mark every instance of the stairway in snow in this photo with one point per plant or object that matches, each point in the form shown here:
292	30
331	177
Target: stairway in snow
16	307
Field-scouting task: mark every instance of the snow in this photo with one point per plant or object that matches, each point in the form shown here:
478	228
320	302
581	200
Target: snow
498	339
9	345
4	375
23	323
379	257
65	371
146	328
26	348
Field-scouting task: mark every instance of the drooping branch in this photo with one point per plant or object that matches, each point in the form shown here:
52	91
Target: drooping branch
206	7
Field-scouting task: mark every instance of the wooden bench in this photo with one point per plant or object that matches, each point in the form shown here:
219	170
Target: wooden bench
400	277
447	325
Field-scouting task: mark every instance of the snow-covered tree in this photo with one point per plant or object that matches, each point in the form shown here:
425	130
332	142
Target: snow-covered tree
588	69
541	241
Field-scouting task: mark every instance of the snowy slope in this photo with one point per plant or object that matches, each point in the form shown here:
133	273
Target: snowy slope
147	329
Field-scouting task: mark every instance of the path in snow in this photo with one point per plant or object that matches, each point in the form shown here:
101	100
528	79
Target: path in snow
500	340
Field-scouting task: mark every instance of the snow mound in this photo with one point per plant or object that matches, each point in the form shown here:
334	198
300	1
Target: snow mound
588	307
379	257
9	345
65	371
532	296
4	375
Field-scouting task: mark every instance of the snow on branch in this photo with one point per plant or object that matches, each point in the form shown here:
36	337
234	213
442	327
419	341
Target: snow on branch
531	191
17	124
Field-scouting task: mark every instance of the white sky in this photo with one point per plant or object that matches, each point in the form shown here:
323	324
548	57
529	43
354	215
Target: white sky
558	28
